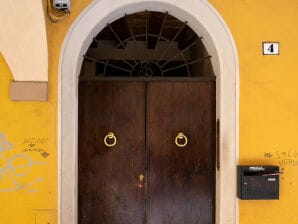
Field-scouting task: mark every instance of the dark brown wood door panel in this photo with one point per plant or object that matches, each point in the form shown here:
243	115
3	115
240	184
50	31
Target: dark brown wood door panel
110	191
178	184
181	181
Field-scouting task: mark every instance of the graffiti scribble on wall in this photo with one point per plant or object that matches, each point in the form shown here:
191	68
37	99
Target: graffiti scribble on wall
14	169
4	145
36	145
284	157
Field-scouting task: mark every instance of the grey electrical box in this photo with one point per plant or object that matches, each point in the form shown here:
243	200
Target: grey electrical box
258	182
61	4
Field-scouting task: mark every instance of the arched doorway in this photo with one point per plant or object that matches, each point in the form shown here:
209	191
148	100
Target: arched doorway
146	147
204	20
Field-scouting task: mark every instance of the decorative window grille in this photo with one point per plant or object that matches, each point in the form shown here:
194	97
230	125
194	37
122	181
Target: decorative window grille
147	44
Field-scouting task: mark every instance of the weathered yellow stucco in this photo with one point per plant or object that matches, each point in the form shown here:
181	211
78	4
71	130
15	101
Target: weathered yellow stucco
268	117
28	157
28	132
268	95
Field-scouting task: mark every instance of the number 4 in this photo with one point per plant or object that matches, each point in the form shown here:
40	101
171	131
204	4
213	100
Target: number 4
271	48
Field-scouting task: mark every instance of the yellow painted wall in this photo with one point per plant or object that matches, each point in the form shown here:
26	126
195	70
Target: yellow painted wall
28	157
268	99
28	142
268	117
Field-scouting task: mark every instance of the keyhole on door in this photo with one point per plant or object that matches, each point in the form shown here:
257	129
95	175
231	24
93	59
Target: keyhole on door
141	179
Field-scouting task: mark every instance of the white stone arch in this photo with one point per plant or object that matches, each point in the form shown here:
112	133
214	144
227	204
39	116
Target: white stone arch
205	21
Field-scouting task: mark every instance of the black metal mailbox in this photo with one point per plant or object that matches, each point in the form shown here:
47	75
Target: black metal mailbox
258	182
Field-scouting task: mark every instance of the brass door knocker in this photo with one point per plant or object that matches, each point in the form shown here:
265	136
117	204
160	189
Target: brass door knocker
181	140
110	139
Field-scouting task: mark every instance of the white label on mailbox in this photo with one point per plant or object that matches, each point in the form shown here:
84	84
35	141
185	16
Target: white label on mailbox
256	168
271	179
270	48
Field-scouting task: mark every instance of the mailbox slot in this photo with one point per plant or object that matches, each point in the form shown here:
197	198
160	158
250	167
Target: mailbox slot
258	182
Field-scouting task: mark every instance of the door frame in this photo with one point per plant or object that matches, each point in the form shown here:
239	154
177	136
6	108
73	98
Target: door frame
203	18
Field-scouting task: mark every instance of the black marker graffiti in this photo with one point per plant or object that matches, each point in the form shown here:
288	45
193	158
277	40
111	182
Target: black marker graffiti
36	145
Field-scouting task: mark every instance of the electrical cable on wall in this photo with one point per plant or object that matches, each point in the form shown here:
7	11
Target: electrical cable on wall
58	15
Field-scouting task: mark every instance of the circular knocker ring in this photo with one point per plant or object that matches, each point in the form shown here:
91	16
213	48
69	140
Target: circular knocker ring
181	136
112	139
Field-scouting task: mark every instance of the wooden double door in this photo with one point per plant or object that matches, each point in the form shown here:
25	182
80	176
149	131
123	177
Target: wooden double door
146	152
